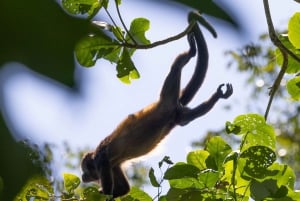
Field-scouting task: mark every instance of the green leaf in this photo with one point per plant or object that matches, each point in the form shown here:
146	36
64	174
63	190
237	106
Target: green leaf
36	187
184	195
91	48
255	130
185	183
71	182
256	161
136	194
218	150
293	87
267	189
209	178
137	30
153	179
181	170
92	194
294	30
293	65
198	158
126	68
283	174
90	7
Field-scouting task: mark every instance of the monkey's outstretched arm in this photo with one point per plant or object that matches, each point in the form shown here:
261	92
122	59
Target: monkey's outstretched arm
104	170
121	186
189	115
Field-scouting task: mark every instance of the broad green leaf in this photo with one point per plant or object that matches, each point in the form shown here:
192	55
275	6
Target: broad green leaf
153	179
91	48
92	194
90	7
71	182
209	178
283	174
218	150
137	30
293	65
136	194
126	68
186	183
293	87
36	187
184	195
233	176
181	170
267	189
294	30
255	161
255	130
198	158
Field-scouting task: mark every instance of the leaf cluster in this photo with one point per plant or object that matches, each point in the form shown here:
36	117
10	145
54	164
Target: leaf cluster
216	172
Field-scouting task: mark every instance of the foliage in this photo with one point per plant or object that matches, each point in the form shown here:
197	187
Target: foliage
262	63
116	44
215	173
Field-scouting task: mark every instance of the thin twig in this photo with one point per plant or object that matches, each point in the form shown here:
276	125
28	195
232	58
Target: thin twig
123	24
164	41
114	23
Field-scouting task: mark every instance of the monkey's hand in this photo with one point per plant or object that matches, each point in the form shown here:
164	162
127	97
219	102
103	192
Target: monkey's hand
227	93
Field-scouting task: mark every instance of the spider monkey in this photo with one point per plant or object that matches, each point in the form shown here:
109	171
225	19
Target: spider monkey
139	133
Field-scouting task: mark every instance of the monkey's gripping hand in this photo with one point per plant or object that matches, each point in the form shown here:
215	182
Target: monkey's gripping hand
227	93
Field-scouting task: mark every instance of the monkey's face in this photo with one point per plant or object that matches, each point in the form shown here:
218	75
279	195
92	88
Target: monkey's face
89	172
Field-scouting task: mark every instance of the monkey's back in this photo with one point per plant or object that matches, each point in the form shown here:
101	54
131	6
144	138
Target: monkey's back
127	142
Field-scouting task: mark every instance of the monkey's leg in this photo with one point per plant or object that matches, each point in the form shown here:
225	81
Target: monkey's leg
187	115
121	186
171	87
200	69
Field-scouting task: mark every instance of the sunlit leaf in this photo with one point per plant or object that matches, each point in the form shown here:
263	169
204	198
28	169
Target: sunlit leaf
293	65
137	30
293	87
218	150
136	194
182	170
255	131
90	7
71	182
91	48
92	194
198	158
37	188
294	30
126	68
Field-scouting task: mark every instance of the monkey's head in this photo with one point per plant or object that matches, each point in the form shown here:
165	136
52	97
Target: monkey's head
89	171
